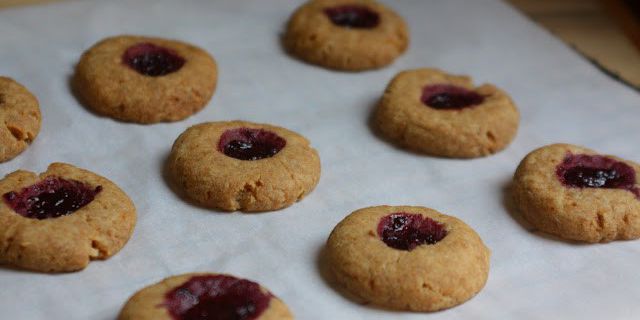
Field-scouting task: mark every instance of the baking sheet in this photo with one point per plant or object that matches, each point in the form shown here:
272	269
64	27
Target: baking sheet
562	98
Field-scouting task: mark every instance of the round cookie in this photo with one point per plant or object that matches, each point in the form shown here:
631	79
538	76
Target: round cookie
204	296
351	35
61	219
20	113
577	194
145	80
407	258
430	111
245	166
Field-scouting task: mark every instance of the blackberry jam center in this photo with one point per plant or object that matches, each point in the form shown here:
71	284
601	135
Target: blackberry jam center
52	197
152	60
353	16
217	297
595	171
406	231
250	144
450	97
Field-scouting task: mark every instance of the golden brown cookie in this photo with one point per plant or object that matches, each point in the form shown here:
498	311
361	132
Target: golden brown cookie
20	114
61	219
245	166
430	111
204	296
349	35
145	80
578	194
407	258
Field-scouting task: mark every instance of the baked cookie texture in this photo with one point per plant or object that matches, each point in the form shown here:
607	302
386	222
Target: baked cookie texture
20	113
66	243
588	214
150	302
206	175
429	277
165	80
313	37
483	128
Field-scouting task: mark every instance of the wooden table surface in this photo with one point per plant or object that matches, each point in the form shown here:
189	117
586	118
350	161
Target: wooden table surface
590	27
15	3
583	24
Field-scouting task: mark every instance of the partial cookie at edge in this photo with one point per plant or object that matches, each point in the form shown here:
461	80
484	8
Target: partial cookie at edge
67	243
20	114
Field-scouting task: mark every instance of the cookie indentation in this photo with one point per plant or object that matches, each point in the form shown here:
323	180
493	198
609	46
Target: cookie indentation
250	144
52	197
152	60
446	96
406	231
595	171
353	16
16	132
217	297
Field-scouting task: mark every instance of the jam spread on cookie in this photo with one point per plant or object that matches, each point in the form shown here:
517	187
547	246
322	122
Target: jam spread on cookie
52	197
250	144
353	16
152	60
595	171
217	297
406	231
446	96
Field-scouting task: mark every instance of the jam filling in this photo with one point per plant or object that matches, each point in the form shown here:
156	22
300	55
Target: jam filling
596	171
450	97
353	16
406	231
152	60
250	144
217	297
52	197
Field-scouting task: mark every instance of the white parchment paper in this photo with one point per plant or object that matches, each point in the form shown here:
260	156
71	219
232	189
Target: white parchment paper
562	98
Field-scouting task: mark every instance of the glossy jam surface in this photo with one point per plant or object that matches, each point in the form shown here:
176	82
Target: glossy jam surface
217	297
152	60
406	231
250	144
450	97
353	16
52	197
595	171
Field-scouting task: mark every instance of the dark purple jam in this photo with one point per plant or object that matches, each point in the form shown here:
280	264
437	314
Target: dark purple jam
353	16
152	60
250	144
406	231
52	197
595	171
449	97
217	297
